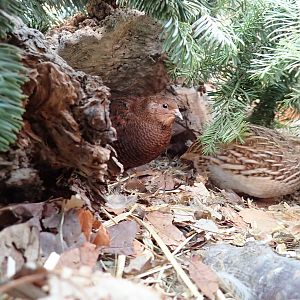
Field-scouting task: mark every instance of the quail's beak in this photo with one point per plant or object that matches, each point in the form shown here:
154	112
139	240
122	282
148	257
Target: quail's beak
178	114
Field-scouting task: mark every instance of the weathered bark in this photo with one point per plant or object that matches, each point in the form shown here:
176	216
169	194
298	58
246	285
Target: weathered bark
67	123
125	49
254	271
196	114
67	126
100	9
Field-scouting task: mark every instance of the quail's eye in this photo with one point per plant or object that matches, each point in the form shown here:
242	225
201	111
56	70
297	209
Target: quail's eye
165	105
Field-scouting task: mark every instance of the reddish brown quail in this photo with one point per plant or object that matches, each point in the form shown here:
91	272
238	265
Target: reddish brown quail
144	128
266	165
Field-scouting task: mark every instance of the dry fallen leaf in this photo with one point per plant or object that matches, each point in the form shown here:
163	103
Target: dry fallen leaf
19	244
71	229
238	240
50	242
183	214
19	213
67	229
77	284
169	233
143	171
262	221
164	182
108	287
101	237
86	255
205	225
122	236
135	184
86	220
198	190
205	279
138	248
139	264
231	215
93	229
295	230
119	202
74	202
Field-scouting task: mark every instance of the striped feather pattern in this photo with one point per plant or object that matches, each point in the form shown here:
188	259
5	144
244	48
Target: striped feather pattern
266	165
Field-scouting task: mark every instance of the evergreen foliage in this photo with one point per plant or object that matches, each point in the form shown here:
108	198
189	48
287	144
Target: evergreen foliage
38	14
42	14
250	50
12	77
9	7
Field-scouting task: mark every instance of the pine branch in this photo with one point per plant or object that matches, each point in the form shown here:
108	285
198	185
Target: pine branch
292	99
11	7
42	14
220	40
189	34
249	47
282	58
229	108
279	63
12	77
11	98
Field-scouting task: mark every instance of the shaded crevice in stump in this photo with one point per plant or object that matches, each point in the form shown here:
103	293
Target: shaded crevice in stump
19	179
67	122
52	97
195	109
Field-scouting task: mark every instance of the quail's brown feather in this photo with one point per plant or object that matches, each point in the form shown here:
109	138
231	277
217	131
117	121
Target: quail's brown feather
144	127
266	165
120	112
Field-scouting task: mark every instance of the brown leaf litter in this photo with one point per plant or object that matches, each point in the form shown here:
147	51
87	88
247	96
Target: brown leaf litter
146	241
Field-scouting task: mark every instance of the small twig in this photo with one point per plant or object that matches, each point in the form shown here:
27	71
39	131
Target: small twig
179	247
153	271
193	289
120	265
156	207
159	277
111	218
119	218
118	181
161	272
152	281
12	284
220	295
61	223
103	265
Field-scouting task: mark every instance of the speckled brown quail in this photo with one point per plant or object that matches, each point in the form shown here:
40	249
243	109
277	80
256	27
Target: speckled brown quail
144	127
266	165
